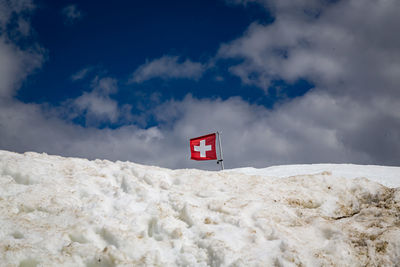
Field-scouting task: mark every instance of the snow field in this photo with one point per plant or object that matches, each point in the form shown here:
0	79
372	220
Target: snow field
57	211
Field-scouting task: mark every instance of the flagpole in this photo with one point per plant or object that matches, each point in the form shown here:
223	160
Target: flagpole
221	159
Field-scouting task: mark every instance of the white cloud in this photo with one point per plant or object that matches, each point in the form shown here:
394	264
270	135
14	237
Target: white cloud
105	86
81	74
44	132
168	67
97	106
15	63
307	130
71	14
350	52
13	8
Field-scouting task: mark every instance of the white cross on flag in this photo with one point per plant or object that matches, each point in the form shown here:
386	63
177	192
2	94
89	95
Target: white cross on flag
203	147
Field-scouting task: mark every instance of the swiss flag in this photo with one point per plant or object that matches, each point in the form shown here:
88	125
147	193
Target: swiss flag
203	147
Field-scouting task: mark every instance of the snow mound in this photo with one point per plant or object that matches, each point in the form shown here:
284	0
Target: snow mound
57	211
387	176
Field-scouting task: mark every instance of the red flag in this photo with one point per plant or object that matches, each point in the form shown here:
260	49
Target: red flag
203	147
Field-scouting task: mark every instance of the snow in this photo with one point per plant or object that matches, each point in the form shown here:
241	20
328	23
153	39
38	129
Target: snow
57	211
387	176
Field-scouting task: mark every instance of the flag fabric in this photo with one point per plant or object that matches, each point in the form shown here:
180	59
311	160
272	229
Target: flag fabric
203	147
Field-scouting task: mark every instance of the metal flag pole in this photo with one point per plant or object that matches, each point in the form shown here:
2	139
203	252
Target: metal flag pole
221	159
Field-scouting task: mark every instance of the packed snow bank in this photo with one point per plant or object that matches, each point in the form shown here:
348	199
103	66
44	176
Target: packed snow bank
74	212
387	176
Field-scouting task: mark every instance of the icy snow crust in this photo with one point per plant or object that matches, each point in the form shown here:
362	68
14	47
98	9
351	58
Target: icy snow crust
58	211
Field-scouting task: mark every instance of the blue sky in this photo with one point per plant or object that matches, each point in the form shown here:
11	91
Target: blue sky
286	82
116	39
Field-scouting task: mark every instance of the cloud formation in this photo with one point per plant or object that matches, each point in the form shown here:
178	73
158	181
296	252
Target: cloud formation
353	60
81	74
350	54
97	106
71	14
168	67
14	8
15	63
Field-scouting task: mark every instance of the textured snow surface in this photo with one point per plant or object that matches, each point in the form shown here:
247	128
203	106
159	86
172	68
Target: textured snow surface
57	211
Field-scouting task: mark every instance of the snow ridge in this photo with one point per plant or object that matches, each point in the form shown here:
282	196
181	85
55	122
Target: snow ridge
57	211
